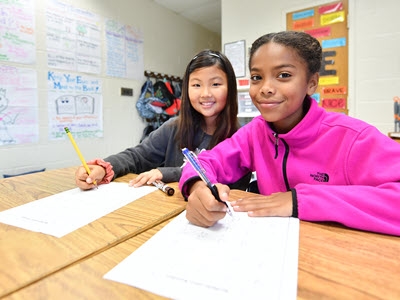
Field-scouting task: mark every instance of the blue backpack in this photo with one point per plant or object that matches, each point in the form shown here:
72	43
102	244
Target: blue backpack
149	106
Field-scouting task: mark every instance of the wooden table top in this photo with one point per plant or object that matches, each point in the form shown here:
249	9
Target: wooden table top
341	263
334	263
84	280
27	256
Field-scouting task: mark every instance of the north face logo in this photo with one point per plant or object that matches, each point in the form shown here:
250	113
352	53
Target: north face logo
321	177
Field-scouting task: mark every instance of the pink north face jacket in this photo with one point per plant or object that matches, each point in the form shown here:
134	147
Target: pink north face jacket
339	168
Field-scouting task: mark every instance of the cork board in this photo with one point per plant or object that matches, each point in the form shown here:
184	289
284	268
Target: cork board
328	24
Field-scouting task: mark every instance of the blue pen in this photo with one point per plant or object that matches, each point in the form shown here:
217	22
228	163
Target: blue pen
192	159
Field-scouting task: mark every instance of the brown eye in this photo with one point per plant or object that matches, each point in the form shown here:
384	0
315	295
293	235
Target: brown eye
255	77
284	75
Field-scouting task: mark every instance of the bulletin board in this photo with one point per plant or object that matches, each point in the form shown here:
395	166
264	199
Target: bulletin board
328	24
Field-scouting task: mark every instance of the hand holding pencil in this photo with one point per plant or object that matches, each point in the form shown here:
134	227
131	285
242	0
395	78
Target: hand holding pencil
86	167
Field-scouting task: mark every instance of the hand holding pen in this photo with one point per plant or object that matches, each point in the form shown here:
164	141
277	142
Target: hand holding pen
195	163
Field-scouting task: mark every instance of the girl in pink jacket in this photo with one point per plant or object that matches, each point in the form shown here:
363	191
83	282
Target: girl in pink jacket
310	163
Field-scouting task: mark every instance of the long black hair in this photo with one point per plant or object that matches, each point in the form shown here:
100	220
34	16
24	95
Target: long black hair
190	120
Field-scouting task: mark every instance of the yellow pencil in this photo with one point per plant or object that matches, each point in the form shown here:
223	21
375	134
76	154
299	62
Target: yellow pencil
79	153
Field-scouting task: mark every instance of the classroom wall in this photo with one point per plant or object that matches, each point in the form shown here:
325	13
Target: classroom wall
374	43
170	41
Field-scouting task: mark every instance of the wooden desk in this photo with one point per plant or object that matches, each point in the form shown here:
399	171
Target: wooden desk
334	263
26	257
84	280
341	263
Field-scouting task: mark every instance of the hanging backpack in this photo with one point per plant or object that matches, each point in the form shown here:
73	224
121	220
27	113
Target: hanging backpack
148	105
161	91
175	107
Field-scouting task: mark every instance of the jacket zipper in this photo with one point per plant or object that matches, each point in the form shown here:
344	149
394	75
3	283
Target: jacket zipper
285	157
276	145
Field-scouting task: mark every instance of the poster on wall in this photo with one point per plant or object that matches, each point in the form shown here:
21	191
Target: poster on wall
236	53
17	31
73	38
18	106
328	24
124	48
74	101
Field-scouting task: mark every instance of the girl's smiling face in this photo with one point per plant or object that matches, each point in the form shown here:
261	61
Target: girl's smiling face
279	82
208	90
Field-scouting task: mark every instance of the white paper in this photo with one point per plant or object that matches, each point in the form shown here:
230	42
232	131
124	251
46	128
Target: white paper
238	258
65	212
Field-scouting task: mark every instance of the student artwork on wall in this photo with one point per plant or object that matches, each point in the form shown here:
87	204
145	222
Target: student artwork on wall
328	24
73	38
124	47
18	106
17	31
74	101
74	42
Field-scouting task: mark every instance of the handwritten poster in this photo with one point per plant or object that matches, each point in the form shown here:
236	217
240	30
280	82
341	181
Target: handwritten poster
17	31
236	53
18	106
124	45
73	38
74	101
